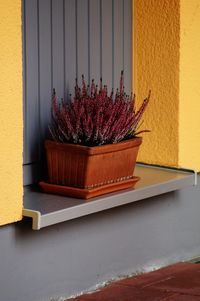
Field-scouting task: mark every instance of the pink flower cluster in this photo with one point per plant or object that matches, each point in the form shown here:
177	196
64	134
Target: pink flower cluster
95	117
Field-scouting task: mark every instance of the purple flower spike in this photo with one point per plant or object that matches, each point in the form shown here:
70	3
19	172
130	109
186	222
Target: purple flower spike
95	117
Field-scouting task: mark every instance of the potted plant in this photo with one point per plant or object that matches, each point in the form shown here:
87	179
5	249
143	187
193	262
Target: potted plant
94	141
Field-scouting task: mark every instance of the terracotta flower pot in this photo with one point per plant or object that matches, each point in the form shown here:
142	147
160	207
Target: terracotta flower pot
85	172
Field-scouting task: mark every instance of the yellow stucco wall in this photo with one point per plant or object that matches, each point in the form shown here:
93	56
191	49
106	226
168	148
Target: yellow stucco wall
10	112
167	60
189	116
156	67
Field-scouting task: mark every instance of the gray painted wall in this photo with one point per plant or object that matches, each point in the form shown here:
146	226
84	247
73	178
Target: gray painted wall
64	39
68	258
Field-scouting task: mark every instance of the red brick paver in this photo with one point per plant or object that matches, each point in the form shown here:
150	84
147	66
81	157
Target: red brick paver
178	297
179	282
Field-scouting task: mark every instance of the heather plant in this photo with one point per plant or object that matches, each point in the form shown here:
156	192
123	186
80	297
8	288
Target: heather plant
94	117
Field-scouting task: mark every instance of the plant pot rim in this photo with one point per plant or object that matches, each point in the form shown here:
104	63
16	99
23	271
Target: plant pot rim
94	150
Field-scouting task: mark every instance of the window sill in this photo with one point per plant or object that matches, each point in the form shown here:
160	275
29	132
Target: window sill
46	209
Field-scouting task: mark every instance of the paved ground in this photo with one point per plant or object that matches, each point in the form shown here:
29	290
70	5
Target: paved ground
179	282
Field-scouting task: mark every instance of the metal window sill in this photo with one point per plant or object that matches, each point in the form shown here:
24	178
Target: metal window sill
46	209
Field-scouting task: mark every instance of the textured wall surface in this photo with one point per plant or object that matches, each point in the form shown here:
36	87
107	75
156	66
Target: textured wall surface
167	60
156	67
189	117
10	112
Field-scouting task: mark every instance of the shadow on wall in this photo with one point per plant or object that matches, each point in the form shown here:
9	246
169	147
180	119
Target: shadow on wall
23	231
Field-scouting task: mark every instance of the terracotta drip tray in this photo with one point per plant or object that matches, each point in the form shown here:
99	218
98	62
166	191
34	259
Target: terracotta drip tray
87	193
